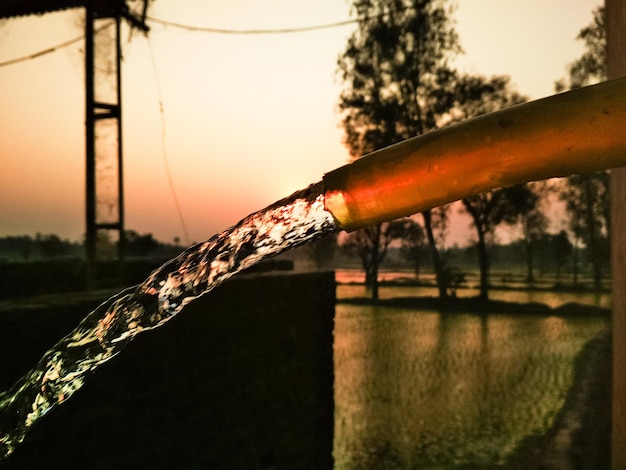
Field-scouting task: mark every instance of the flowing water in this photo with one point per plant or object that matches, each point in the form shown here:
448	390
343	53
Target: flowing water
298	219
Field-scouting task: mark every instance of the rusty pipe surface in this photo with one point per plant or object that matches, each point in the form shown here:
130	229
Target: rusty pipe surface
574	132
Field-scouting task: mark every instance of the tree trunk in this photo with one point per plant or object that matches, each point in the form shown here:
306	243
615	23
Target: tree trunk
437	264
530	277
483	264
417	270
575	273
375	289
481	249
592	246
373	272
371	279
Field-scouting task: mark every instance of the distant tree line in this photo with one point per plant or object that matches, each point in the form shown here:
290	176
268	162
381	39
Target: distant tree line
48	246
52	247
399	82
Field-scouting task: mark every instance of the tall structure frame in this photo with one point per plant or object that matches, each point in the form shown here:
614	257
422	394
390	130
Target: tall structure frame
104	183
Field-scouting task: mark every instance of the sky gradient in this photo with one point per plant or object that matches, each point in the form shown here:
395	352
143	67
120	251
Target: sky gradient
248	119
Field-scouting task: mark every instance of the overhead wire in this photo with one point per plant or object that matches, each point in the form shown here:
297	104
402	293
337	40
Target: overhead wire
55	48
205	29
166	164
173	24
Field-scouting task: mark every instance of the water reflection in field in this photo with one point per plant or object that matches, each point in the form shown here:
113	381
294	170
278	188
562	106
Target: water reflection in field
420	389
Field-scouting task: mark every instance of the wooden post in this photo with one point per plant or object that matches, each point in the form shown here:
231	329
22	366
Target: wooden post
616	57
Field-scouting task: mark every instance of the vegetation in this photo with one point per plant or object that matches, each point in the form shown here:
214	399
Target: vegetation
587	196
473	96
391	68
25	248
413	242
398	83
370	245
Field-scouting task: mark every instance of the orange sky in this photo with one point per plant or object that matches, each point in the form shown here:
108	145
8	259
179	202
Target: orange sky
248	118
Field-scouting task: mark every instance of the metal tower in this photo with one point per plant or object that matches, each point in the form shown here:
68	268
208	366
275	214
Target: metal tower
103	122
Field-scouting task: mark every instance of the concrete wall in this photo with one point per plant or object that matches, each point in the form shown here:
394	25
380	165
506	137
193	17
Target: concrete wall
241	379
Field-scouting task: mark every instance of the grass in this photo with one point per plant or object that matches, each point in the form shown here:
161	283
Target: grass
585	418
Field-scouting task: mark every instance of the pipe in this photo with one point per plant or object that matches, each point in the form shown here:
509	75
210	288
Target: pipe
574	132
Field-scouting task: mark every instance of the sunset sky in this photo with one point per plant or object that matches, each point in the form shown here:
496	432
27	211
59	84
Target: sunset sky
248	118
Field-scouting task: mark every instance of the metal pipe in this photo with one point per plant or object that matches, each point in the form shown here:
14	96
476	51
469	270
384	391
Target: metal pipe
574	132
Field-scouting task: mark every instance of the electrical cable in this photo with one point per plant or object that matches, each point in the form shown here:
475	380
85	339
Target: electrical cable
204	29
187	28
168	172
41	53
51	49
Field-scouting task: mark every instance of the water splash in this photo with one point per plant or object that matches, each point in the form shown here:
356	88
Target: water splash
298	219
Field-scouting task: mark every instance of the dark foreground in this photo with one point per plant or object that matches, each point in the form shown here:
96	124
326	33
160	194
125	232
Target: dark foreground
141	418
241	379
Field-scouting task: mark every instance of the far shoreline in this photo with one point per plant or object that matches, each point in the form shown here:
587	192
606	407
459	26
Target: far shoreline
476	305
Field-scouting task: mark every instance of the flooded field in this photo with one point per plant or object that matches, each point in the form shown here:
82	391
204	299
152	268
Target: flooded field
421	389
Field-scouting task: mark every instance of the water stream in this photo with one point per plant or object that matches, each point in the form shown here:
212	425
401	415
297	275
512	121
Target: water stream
293	221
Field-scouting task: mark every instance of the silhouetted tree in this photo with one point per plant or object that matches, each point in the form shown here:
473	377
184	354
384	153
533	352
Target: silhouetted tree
413	244
523	209
587	196
50	246
587	201
482	209
370	245
534	223
139	245
24	246
487	211
561	250
391	67
591	67
472	96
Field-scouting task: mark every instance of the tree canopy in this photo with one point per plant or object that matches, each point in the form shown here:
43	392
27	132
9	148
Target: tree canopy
587	195
391	68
